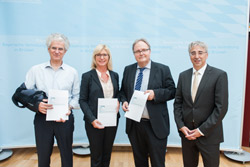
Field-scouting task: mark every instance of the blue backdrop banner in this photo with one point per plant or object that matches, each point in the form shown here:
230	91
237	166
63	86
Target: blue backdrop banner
169	26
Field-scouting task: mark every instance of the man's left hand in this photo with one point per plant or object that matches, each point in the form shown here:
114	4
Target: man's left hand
151	95
193	134
62	120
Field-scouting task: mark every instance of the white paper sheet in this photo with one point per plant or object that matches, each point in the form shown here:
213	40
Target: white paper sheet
59	100
107	111
137	105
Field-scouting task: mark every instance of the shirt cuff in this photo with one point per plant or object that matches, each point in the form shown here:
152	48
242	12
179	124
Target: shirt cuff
200	132
74	105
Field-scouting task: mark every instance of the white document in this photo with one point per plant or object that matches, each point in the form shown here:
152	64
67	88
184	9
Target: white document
59	99
107	111
137	105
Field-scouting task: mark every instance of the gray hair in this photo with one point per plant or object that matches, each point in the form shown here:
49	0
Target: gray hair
197	43
57	37
138	40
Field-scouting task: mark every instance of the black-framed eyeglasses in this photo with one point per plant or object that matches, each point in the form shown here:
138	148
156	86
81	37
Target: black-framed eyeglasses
141	51
101	55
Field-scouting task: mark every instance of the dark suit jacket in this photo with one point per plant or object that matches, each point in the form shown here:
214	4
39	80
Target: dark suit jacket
161	81
209	107
91	90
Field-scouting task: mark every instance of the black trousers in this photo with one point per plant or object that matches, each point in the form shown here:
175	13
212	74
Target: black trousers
45	131
101	143
145	143
210	153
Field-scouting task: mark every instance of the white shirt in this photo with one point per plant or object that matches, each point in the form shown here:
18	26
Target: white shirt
44	77
107	87
144	84
199	77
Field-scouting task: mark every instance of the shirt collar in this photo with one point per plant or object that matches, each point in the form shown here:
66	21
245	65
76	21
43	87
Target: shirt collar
99	73
48	65
148	66
202	70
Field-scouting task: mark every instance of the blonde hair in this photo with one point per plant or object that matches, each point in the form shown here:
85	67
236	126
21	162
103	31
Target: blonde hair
96	51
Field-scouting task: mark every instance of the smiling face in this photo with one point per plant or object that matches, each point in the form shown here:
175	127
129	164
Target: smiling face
198	56
142	53
56	51
102	58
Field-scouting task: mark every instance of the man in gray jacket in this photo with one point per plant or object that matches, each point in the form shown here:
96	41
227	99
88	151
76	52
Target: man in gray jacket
201	102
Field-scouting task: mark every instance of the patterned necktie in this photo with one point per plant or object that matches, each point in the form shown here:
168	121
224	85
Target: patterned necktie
139	79
195	85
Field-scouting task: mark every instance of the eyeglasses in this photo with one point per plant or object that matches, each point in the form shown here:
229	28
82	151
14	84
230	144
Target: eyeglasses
199	53
141	51
101	55
55	49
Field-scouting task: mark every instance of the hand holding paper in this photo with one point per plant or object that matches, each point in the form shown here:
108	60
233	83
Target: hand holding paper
44	106
97	124
136	105
59	100
107	111
62	120
125	106
151	94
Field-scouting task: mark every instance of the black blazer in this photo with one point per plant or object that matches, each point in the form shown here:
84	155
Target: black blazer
209	107
161	81
91	90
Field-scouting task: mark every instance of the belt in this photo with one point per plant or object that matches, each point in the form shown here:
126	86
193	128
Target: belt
144	119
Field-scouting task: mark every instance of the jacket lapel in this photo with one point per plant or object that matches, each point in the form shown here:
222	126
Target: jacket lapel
113	80
95	78
152	75
204	81
132	76
188	83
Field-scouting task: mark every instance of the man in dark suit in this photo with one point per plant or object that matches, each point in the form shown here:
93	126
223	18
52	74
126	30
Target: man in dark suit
149	136
201	102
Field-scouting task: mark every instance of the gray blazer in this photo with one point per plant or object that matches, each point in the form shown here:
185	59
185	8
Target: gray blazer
209	107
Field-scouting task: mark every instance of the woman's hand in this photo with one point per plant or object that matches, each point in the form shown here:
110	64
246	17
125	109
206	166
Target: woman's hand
125	106
97	124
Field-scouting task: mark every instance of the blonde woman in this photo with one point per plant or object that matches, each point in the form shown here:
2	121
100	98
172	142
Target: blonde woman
99	82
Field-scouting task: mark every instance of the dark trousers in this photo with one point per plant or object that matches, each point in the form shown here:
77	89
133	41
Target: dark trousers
210	153
45	131
101	143
145	143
